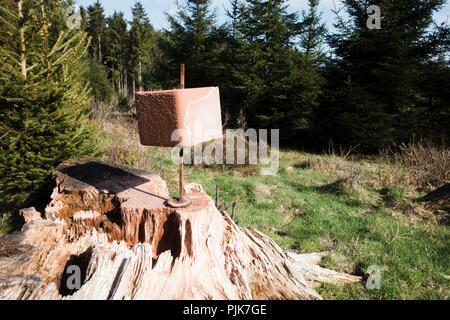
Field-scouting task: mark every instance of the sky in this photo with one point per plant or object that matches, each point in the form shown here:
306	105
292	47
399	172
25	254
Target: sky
156	8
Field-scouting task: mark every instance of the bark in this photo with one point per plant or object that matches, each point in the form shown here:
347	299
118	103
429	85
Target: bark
23	58
99	49
111	222
125	85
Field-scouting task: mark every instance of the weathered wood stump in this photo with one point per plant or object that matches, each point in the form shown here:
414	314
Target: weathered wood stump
111	221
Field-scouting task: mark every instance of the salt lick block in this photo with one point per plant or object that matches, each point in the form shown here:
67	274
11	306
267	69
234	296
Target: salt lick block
195	113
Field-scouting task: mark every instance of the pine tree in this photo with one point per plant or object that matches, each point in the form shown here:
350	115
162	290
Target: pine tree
97	75
310	73
117	51
96	29
234	15
266	74
375	82
142	36
190	40
84	18
99	83
436	77
6	34
230	41
42	98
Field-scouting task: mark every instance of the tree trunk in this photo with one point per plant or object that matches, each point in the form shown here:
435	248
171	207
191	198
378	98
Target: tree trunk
125	85
99	49
23	58
110	223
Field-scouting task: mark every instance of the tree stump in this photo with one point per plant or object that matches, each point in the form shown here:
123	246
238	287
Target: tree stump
111	222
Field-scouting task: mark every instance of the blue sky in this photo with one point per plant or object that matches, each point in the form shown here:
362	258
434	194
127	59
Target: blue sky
156	8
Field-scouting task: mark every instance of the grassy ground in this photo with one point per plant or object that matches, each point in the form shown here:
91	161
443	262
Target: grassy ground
360	222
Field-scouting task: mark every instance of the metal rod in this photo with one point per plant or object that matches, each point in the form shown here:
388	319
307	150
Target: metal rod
180	202
181	174
182	150
182	76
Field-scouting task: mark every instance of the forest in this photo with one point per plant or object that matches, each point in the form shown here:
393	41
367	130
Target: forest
353	85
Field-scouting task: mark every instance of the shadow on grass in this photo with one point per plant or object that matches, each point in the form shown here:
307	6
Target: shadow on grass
301	165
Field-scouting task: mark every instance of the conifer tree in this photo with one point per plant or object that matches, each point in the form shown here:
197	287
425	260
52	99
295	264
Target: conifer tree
266	74
42	98
310	73
234	15
190	40
142	36
229	61
97	74
96	25
117	52
376	81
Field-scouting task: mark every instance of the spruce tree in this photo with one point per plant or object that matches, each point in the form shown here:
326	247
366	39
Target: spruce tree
96	25
97	74
99	83
42	98
234	15
117	51
309	75
376	80
190	40
142	37
268	61
436	79
230	42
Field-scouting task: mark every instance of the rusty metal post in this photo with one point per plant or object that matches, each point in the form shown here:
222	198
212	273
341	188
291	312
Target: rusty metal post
181	202
182	76
182	150
181	175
